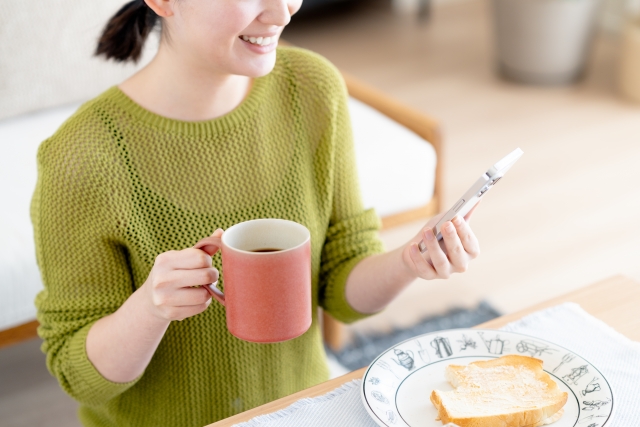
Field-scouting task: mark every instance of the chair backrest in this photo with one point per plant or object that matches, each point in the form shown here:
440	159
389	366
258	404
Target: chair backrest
46	53
417	122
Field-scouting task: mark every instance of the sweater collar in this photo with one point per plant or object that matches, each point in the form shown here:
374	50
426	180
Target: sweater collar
236	117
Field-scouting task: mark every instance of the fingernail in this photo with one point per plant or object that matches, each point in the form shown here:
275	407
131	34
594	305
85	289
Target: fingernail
448	227
457	220
430	235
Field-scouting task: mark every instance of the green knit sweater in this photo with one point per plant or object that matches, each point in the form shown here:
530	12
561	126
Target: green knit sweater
118	185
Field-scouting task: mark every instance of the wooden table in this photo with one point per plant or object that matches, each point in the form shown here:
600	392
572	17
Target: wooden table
615	301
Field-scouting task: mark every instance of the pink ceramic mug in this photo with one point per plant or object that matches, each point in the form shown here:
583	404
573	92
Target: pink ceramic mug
267	295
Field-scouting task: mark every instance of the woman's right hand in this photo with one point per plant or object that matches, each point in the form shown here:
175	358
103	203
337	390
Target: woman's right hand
170	288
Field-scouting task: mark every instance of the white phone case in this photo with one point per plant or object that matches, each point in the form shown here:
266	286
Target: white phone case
477	190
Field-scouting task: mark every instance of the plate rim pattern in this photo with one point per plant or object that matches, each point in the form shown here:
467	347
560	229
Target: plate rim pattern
383	423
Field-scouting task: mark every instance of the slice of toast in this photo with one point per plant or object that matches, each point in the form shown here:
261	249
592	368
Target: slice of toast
511	391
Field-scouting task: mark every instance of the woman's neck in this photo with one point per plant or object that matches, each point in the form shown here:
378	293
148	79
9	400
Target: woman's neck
173	88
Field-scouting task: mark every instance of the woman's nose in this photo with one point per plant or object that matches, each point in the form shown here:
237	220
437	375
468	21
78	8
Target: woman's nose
278	12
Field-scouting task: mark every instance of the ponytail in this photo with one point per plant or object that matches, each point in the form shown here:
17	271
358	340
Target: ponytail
124	35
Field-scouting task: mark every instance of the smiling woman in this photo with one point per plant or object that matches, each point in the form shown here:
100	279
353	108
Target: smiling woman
221	127
209	52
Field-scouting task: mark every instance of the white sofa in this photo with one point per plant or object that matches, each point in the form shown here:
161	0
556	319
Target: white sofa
47	71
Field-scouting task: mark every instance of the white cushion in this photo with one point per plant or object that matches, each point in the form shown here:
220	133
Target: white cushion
46	53
396	169
20	281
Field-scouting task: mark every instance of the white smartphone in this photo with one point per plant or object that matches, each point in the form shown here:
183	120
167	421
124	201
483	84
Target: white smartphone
477	190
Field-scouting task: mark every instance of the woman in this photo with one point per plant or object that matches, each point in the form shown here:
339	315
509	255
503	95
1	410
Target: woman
219	128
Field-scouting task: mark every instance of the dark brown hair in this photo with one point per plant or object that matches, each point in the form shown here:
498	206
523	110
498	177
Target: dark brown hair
124	35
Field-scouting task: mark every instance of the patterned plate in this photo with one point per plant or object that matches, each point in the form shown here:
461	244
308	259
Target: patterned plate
396	387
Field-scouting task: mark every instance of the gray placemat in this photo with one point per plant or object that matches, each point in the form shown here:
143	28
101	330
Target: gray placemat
365	348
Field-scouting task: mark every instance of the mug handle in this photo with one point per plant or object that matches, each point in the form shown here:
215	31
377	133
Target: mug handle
211	245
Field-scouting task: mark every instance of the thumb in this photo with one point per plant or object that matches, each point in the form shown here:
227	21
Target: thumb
467	217
211	244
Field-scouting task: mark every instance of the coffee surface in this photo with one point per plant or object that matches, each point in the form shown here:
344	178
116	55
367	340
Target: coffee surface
266	250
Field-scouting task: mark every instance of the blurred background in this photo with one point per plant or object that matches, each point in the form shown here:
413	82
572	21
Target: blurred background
566	215
558	78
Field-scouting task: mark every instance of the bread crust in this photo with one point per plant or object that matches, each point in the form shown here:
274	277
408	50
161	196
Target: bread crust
526	418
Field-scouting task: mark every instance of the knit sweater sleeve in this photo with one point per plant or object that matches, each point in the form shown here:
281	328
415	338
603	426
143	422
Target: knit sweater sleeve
83	268
352	234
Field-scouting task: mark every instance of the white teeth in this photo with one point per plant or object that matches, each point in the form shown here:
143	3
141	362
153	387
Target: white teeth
260	41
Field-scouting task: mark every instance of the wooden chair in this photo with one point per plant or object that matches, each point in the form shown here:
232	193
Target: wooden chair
18	333
425	127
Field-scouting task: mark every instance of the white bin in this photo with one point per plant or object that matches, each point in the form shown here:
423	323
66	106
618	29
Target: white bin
543	41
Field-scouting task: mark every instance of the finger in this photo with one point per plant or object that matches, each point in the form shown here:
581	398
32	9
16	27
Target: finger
434	220
455	251
467	237
182	297
467	217
187	278
439	259
207	288
185	259
422	266
191	296
212	243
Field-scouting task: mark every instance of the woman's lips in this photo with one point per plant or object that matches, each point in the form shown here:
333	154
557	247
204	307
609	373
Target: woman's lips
261	49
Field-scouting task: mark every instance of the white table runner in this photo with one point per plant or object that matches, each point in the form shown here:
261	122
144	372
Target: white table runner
616	356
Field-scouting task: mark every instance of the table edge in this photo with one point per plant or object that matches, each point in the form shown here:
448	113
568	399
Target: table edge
496	323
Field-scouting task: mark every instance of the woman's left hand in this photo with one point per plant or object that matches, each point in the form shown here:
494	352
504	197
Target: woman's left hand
441	259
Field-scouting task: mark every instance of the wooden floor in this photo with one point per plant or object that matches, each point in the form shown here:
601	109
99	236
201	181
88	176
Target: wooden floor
567	213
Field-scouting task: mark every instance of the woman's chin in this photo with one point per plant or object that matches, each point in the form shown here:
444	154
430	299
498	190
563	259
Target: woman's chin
258	67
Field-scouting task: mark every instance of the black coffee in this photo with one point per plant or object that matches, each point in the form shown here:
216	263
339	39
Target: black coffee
266	250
